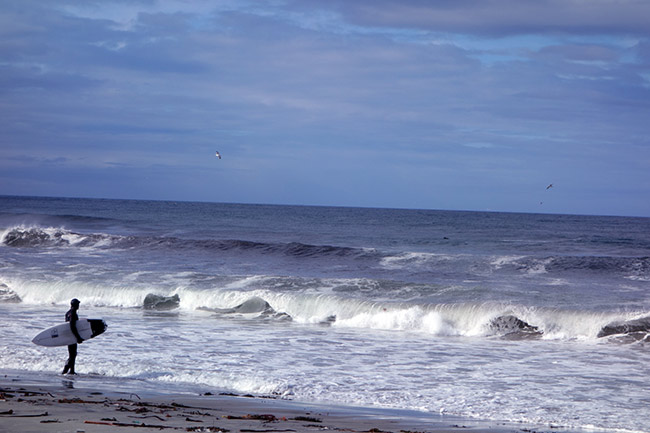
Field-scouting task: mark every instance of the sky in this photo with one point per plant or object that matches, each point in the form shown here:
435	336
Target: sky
440	104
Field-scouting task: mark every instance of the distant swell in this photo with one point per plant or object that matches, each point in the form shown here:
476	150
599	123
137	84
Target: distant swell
56	237
637	266
290	249
35	237
600	264
46	219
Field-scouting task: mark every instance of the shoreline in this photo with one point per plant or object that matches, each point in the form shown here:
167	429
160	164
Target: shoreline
40	405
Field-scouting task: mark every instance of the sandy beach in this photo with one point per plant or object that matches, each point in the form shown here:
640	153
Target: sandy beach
29	406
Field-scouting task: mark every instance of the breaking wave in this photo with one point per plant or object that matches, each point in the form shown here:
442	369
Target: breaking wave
489	320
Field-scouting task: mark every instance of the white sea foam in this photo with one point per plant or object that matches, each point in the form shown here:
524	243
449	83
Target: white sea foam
413	259
539	267
461	319
60	292
501	261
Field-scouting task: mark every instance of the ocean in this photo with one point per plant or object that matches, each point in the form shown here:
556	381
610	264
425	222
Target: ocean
504	317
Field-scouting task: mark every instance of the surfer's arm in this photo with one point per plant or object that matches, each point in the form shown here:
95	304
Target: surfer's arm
73	328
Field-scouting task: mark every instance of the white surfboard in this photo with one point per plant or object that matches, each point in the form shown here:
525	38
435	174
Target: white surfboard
61	335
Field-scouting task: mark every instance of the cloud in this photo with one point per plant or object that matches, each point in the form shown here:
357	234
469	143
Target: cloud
502	17
597	55
461	93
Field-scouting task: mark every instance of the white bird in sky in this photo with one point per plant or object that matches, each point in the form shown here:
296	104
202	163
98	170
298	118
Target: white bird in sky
218	155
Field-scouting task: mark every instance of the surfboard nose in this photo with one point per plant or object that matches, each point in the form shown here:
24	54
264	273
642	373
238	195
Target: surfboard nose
97	326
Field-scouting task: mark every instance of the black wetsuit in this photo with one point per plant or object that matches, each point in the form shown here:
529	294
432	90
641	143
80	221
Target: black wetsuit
72	317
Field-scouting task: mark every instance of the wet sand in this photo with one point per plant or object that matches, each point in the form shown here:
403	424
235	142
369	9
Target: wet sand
31	406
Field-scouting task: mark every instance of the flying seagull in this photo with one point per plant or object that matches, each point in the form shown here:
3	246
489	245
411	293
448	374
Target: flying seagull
218	155
548	187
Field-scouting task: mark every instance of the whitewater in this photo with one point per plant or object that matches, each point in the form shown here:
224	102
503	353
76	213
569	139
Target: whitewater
538	319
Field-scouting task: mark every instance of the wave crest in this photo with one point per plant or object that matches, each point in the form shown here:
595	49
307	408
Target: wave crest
50	237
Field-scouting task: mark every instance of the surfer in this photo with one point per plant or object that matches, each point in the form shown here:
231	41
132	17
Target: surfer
72	317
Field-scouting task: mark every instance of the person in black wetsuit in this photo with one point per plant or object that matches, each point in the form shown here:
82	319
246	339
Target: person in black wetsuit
72	317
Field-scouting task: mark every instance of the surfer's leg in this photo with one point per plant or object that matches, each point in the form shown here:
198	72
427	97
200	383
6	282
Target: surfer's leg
67	363
72	356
